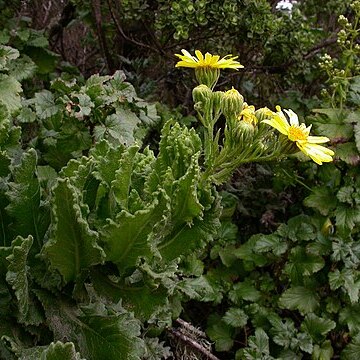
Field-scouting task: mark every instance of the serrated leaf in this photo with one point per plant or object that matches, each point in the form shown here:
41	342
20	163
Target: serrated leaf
72	246
348	153
155	350
323	352
347	216
258	346
352	350
299	298
122	183
98	332
350	315
272	242
17	274
45	104
10	90
349	280
219	332
300	228
301	263
235	317
321	199
317	327
332	125
7	54
22	68
244	291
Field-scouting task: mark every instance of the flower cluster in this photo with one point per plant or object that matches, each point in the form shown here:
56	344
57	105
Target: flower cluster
242	117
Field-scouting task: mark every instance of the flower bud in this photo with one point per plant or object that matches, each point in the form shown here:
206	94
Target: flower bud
207	75
248	115
201	93
245	129
232	103
263	113
216	99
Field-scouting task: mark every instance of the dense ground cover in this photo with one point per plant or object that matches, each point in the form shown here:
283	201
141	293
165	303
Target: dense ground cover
199	226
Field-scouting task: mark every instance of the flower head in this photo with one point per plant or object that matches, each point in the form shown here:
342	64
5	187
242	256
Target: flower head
299	134
207	68
248	114
207	61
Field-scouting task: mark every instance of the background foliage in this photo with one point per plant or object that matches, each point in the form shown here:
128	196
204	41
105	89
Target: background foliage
267	264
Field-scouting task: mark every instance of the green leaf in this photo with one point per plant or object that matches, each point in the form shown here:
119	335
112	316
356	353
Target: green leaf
299	298
321	199
332	125
317	327
22	68
347	216
272	242
258	347
30	218
60	351
126	239
235	317
323	352
45	104
10	90
7	54
122	183
244	291
352	350
142	299
219	332
349	279
348	153
301	263
72	246
350	315
17	274
155	350
97	331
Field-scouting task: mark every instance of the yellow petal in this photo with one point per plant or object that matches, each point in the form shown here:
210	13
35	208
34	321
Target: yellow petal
279	124
317	153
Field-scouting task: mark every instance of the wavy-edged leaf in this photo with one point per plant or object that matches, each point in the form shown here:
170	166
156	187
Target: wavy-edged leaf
352	350
10	90
72	246
317	327
140	298
127	238
17	274
122	183
321	199
24	196
98	332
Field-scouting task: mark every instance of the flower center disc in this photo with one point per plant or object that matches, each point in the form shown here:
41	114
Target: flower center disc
296	133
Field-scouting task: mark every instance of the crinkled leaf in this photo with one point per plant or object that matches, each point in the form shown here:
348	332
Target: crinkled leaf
17	274
22	68
140	298
99	333
127	238
122	183
72	246
348	153
347	216
155	350
24	196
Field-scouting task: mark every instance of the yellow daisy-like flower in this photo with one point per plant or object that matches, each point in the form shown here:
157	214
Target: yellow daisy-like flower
299	133
207	68
207	61
248	114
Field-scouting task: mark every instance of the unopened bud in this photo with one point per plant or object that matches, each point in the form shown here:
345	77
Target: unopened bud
216	100
263	113
232	103
201	93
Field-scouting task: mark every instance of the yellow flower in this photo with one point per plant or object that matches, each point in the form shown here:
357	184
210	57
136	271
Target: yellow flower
299	133
248	114
209	61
